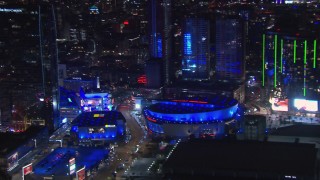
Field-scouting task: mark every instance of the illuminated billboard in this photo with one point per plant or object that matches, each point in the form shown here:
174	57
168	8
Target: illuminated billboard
279	104
306	105
26	170
72	165
81	174
12	161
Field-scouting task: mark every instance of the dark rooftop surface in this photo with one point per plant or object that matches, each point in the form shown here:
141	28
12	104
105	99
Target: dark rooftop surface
10	141
98	118
301	130
194	85
67	98
201	156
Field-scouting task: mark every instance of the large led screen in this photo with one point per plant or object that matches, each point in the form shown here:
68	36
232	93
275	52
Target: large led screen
279	104
306	105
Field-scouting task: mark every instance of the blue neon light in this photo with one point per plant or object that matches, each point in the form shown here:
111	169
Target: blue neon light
187	44
190	113
159	47
55	162
157	128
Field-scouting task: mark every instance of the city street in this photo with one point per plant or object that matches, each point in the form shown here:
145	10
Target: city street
124	154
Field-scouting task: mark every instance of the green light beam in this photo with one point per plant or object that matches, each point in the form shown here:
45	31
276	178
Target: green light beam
314	53
294	51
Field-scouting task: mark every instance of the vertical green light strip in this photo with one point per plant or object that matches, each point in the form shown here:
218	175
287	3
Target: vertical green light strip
263	57
275	60
305	52
281	56
314	53
305	68
294	51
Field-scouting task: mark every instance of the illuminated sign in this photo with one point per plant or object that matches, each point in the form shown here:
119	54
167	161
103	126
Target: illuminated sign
81	174
94	10
126	22
306	105
110	125
76	78
26	170
142	79
98	115
187	44
159	46
138	106
12	161
64	120
72	165
10	10
279	105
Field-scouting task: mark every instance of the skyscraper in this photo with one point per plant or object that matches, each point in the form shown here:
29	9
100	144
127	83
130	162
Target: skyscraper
160	30
29	64
230	48
167	41
156	29
196	56
53	121
20	63
290	62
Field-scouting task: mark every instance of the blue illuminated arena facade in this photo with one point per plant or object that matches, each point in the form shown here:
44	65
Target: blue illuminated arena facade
181	118
103	126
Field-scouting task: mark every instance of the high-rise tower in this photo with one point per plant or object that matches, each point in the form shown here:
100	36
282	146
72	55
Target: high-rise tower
20	65
29	61
196	55
290	62
51	60
230	48
160	30
156	29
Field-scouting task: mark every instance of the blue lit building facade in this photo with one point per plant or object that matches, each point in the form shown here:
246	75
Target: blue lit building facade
196	55
96	102
156	28
230	49
182	118
160	35
98	126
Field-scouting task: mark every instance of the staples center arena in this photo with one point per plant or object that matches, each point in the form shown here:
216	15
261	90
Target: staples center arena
182	118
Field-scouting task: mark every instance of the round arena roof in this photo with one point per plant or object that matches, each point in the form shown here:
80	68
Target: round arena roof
218	108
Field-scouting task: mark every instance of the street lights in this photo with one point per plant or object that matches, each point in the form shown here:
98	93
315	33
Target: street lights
35	143
60	140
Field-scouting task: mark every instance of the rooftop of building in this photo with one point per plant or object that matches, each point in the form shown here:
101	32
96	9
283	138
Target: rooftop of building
207	156
182	106
206	85
299	130
67	98
80	79
98	118
10	141
254	119
55	163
